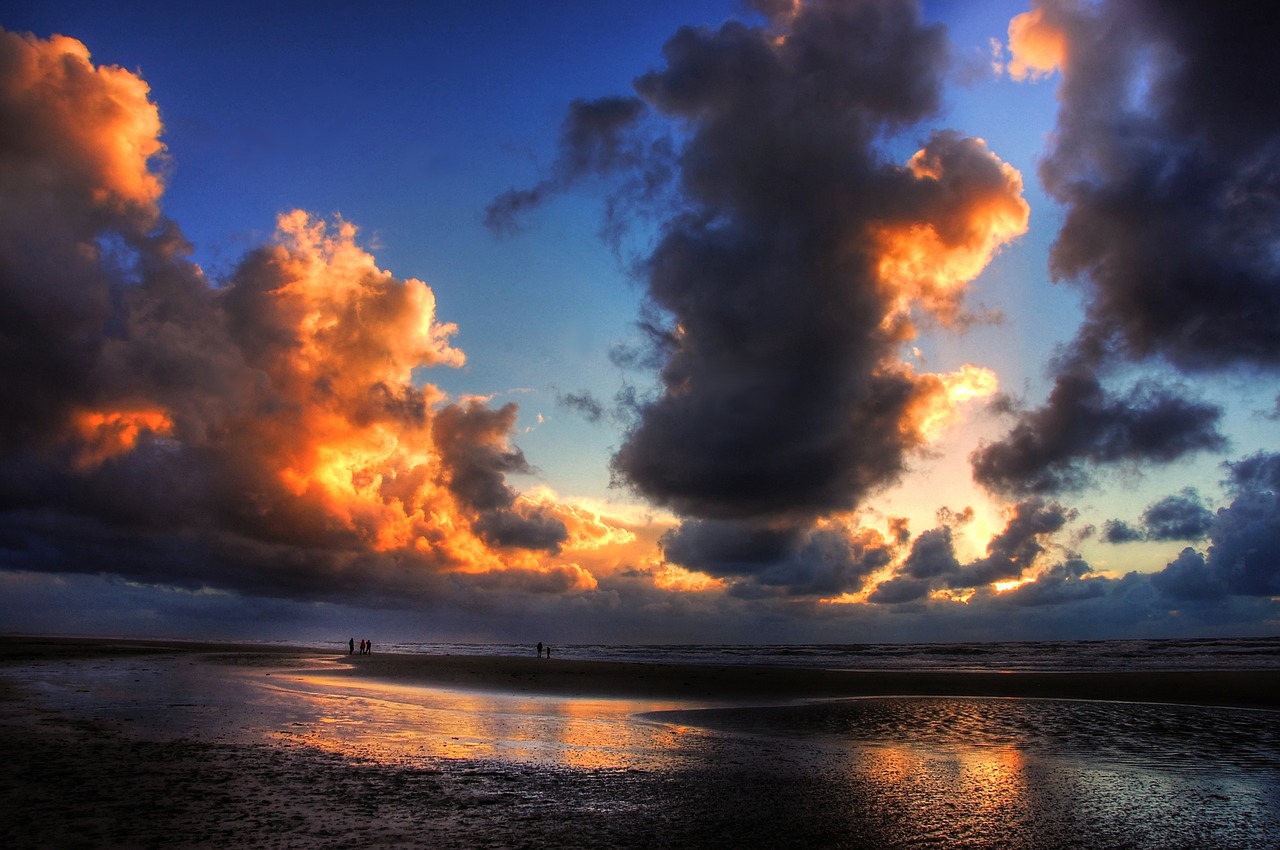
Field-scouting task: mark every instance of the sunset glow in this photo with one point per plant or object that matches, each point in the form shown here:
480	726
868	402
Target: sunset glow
101	435
819	321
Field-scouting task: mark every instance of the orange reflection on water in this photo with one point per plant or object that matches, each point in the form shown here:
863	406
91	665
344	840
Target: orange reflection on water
398	723
948	796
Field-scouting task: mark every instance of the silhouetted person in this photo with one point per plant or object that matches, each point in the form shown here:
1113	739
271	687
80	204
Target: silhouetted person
351	644
539	649
548	650
368	647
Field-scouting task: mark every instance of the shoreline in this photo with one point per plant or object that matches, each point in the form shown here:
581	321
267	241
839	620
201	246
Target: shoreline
754	683
712	683
148	743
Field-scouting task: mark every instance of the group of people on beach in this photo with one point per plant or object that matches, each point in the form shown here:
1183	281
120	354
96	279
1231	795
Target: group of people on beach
366	647
546	649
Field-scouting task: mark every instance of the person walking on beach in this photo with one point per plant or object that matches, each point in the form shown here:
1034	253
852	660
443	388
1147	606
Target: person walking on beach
539	649
368	647
351	647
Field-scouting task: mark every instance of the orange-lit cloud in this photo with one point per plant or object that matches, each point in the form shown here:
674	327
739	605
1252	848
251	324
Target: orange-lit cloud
279	413
1038	47
338	339
976	207
95	122
939	396
102	434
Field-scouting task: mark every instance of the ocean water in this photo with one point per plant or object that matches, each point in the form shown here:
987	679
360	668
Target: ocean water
1049	656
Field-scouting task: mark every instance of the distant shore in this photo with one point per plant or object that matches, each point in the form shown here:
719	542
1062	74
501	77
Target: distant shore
696	682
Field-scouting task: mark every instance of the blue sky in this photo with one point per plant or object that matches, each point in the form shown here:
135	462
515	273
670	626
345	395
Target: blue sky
411	121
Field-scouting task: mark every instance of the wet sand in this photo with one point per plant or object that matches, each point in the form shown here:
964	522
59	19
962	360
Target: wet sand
161	744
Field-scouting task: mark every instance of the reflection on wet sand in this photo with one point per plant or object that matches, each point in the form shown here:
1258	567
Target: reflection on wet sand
948	797
399	723
388	763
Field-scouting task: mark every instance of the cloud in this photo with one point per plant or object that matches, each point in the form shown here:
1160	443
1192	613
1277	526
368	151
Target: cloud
794	256
932	555
1037	47
1243	557
584	403
1166	170
1119	531
472	441
793	259
594	142
799	561
1179	517
73	194
1189	578
262	433
1061	584
1055	448
1012	554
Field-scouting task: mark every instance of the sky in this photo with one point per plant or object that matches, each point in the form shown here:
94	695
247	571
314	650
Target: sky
714	322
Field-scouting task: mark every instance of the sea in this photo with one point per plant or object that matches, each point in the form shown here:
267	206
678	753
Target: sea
1256	653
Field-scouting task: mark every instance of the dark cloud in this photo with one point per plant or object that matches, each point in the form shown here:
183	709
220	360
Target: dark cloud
794	560
1189	577
932	562
1245	535
594	142
774	398
1119	531
1011	552
1179	517
900	590
932	555
1169	171
1244	552
786	271
472	440
1054	448
1060	584
1169	168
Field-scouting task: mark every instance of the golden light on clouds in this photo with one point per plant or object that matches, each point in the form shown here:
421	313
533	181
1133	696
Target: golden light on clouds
959	596
1038	48
678	579
941	395
99	120
978	209
99	435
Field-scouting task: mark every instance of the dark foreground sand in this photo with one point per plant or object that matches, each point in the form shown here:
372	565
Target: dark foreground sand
75	775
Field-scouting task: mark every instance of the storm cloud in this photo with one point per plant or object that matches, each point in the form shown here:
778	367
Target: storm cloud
793	259
1166	162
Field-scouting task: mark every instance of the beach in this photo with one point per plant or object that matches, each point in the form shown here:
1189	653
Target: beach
137	744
